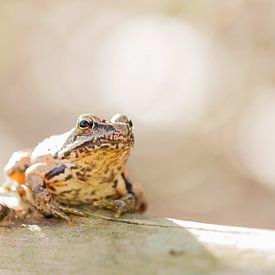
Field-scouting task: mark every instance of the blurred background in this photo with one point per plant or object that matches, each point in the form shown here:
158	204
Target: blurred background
196	77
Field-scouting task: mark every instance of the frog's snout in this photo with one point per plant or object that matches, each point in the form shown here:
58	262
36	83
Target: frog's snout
119	118
122	119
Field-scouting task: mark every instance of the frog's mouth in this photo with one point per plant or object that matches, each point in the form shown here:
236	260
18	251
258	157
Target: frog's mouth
105	143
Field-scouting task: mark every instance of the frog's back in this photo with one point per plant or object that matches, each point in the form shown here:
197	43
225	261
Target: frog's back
49	147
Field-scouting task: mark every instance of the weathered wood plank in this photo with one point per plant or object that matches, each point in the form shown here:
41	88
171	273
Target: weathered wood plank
134	244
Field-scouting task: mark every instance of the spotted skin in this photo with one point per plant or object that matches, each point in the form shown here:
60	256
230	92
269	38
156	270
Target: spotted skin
85	165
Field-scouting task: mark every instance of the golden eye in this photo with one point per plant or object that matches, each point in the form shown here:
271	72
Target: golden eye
130	123
84	124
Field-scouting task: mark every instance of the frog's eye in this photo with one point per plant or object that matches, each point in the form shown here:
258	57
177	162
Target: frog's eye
84	124
130	123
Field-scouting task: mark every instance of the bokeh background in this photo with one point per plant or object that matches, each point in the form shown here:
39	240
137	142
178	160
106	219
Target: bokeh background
196	77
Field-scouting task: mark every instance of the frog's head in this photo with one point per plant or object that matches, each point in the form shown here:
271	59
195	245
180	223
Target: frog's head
92	134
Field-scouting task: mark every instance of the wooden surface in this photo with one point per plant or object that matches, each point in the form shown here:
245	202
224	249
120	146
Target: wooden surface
134	244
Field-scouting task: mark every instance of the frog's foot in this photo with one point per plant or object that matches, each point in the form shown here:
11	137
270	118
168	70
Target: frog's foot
57	210
119	206
48	206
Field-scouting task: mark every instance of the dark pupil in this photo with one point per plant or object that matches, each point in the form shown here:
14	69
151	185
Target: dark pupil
130	123
84	124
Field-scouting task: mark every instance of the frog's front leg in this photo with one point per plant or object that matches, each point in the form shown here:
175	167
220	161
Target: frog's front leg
132	201
39	196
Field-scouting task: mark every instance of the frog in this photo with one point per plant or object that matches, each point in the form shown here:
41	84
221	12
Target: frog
84	166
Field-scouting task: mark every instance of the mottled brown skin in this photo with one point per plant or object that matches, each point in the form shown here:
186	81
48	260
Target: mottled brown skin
83	166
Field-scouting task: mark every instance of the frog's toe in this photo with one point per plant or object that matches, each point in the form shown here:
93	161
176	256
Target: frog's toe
119	212
57	213
100	204
61	211
70	210
108	204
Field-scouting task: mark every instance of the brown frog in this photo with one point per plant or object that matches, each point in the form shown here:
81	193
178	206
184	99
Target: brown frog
85	165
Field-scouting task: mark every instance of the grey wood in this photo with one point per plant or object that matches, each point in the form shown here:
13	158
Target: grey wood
134	244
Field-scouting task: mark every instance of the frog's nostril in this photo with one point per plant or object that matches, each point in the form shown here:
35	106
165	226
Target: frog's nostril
119	118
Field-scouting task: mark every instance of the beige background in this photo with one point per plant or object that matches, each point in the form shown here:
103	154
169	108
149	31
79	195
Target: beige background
196	77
